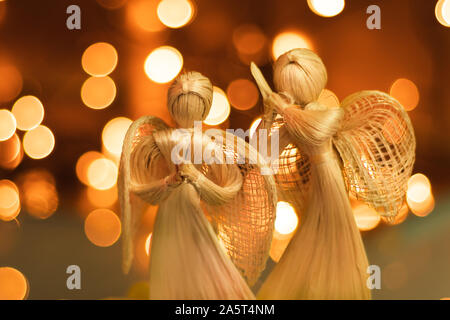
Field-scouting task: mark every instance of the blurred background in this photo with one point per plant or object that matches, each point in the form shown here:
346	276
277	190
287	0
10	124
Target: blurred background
67	98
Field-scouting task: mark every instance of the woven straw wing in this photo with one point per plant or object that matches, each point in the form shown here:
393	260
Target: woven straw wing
245	224
377	147
131	205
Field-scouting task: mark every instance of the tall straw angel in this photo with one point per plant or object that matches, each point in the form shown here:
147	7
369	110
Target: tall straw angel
192	258
365	148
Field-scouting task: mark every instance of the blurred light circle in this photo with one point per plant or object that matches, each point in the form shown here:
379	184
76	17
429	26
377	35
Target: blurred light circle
7	125
419	188
286	220
163	64
111	4
99	59
9	200
83	163
29	112
102	227
11	83
254	126
39	142
326	8
9	149
220	108
366	217
114	133
13	284
175	13
143	14
98	92
406	92
286	41
329	99
148	241
243	94
102	174
442	12
102	198
249	39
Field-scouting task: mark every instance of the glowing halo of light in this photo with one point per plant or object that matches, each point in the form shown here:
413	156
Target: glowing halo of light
83	163
175	13
102	227
366	217
442	12
13	284
8	125
143	14
286	220
102	174
419	188
9	149
163	64
39	142
98	92
29	112
102	198
99	59
243	94
114	133
9	200
220	108
406	92
288	40
326	8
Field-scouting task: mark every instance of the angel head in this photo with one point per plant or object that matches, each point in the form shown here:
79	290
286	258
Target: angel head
301	74
189	98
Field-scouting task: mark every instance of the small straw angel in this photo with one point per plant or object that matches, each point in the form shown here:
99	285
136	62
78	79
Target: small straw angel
365	148
191	257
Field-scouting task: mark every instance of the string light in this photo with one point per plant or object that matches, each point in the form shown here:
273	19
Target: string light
326	8
99	59
102	174
114	133
406	92
163	64
39	142
175	13
7	125
102	227
286	41
286	220
98	92
220	108
442	12
29	112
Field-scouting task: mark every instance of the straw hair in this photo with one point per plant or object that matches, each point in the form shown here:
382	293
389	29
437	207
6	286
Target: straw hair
189	98
188	259
301	73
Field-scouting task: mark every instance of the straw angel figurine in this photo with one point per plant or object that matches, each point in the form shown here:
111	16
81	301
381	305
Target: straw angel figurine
363	149
192	258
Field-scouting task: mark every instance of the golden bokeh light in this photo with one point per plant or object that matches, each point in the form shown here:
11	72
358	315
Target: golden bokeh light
329	99
102	227
406	92
366	218
39	194
7	125
83	163
99	59
102	198
243	94
249	39
143	14
326	8
39	142
13	284
29	112
175	13
102	174
289	40
220	108
163	64
148	242
286	220
419	196
442	12
254	126
9	200
98	92
114	133
11	83
9	150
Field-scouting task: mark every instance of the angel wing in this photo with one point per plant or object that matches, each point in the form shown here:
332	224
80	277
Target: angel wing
131	205
245	224
377	147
